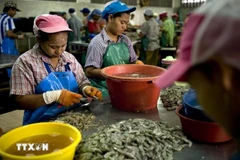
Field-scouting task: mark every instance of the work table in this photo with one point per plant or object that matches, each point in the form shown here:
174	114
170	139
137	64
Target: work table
110	115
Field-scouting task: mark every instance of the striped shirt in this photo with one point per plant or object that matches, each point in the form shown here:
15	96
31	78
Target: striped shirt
29	70
98	46
6	23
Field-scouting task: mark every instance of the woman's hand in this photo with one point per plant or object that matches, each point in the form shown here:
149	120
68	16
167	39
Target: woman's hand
93	92
64	97
139	62
68	98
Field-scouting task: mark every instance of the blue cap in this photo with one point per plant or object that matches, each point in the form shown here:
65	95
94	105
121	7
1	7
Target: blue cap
71	10
114	7
95	12
85	10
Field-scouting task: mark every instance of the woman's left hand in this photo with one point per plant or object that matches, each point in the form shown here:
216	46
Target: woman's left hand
139	62
92	91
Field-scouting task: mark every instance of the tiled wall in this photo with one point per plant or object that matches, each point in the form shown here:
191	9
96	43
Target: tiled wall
32	8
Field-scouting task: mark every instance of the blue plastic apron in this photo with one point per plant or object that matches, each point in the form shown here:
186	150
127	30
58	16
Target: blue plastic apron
54	81
9	47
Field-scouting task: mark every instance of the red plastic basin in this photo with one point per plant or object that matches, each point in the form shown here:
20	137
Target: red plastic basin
131	93
202	131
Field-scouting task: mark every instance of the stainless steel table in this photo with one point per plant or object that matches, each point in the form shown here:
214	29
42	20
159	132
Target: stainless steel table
79	43
30	39
7	60
75	47
109	115
199	151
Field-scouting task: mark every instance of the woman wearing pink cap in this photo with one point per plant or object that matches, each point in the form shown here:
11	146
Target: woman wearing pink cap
47	80
209	59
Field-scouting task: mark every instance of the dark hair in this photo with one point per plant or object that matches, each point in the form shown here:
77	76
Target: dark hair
119	14
43	36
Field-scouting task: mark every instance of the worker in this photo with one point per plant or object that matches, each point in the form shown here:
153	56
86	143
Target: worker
209	62
149	35
85	12
7	26
93	22
111	46
75	25
167	30
47	80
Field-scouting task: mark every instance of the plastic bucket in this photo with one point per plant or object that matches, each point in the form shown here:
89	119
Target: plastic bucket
192	108
23	132
209	132
131	93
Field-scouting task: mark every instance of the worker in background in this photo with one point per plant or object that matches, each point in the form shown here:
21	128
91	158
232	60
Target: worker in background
47	80
160	22
149	35
75	25
93	23
85	12
7	35
167	30
84	30
209	61
111	46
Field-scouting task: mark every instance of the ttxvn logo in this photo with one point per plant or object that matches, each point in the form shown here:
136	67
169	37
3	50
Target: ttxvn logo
32	146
